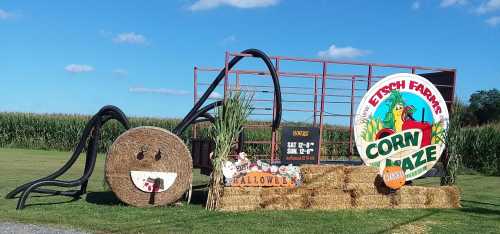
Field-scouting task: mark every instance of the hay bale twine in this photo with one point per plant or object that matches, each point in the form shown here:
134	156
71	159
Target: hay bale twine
148	166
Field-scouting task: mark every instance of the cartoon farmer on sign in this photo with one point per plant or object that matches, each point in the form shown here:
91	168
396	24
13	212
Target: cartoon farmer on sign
399	117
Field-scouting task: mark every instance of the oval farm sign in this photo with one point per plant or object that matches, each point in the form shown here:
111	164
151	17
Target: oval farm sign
401	121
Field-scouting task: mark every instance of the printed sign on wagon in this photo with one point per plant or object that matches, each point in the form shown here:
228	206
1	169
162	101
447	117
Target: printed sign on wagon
299	145
402	120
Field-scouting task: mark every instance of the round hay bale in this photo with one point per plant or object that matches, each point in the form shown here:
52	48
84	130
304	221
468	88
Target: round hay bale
148	166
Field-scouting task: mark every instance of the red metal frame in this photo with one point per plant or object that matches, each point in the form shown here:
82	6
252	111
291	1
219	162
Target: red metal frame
328	95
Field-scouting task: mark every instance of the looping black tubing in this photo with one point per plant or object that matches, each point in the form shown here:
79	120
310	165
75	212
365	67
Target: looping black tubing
194	113
200	113
90	136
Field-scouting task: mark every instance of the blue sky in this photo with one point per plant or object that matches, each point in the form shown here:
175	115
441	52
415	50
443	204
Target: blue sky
76	56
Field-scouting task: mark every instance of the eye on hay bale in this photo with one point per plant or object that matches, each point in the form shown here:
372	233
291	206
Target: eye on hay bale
162	151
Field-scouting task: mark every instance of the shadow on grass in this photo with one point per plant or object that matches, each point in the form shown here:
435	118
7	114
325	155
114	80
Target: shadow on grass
103	198
73	199
199	196
481	203
480	210
396	226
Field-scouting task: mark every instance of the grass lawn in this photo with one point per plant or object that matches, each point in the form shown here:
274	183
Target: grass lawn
99	211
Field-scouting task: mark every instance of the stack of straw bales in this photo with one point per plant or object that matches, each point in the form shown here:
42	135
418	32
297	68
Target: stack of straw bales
332	187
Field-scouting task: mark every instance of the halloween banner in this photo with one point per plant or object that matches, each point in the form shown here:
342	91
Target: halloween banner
244	173
401	121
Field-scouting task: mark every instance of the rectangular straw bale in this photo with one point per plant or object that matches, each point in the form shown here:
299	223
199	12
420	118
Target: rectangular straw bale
409	199
240	207
319	169
332	202
284	202
322	176
235	200
443	197
373	201
275	190
325	183
281	197
411	206
328	192
412	190
330	206
283	206
360	174
242	191
358	189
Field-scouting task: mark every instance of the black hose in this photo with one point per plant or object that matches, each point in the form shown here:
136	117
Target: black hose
90	136
194	113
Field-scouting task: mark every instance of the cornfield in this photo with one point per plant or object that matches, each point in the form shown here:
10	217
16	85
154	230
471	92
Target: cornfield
480	148
61	132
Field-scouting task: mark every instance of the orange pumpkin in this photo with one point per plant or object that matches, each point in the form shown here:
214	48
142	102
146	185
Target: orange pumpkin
394	177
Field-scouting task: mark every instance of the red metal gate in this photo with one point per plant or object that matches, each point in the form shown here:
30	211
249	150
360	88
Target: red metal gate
318	92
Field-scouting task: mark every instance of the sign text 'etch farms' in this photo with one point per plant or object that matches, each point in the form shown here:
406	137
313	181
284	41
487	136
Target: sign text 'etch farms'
401	120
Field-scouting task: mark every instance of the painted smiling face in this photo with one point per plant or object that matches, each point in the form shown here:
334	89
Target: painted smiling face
148	166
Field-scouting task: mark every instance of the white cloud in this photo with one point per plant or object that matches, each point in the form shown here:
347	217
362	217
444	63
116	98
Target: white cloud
449	3
245	4
78	68
164	91
335	52
490	5
130	38
493	21
120	72
215	95
105	33
415	5
4	15
229	39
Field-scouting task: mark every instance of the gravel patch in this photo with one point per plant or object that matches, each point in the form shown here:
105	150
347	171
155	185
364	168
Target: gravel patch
21	228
